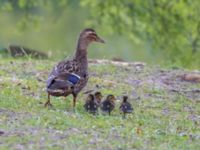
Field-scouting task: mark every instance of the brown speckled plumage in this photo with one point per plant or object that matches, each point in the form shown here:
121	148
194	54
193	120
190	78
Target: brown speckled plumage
91	105
98	96
108	104
58	82
125	106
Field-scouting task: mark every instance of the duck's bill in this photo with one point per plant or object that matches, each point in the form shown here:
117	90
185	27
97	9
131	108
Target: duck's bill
98	39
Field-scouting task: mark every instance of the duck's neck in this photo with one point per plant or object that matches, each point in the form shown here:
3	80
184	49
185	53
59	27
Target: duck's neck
81	50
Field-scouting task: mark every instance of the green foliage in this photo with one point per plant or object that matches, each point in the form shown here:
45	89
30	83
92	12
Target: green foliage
171	27
31	10
169	30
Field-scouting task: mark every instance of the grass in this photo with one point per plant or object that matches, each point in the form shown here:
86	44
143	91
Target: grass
161	119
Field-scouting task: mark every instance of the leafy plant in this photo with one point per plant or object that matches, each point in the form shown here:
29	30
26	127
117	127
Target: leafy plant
171	27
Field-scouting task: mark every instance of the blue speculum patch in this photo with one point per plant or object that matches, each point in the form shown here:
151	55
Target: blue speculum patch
73	78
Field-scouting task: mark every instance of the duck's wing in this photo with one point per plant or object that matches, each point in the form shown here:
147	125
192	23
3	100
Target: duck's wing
70	66
62	80
63	71
126	107
105	105
60	84
79	78
129	107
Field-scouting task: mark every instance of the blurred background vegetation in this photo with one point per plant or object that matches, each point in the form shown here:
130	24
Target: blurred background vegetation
153	31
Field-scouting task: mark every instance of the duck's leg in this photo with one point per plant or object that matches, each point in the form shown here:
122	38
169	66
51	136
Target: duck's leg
124	115
74	101
65	99
48	102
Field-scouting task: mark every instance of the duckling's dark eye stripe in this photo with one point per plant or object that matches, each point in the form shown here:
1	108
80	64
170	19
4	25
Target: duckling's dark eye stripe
93	34
92	38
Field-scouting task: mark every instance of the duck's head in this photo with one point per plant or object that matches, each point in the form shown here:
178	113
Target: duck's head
90	97
125	98
90	35
98	95
111	97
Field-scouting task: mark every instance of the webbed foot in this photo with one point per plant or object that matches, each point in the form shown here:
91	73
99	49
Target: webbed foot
48	104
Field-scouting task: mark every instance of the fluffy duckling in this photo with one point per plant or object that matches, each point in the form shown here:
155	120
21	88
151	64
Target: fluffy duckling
108	104
98	96
91	105
125	106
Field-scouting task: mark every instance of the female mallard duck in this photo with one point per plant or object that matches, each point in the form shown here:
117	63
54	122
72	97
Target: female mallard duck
98	97
91	105
108	104
125	106
71	76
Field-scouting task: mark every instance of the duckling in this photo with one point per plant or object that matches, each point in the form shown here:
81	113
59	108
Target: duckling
108	104
98	97
71	76
125	106
91	105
